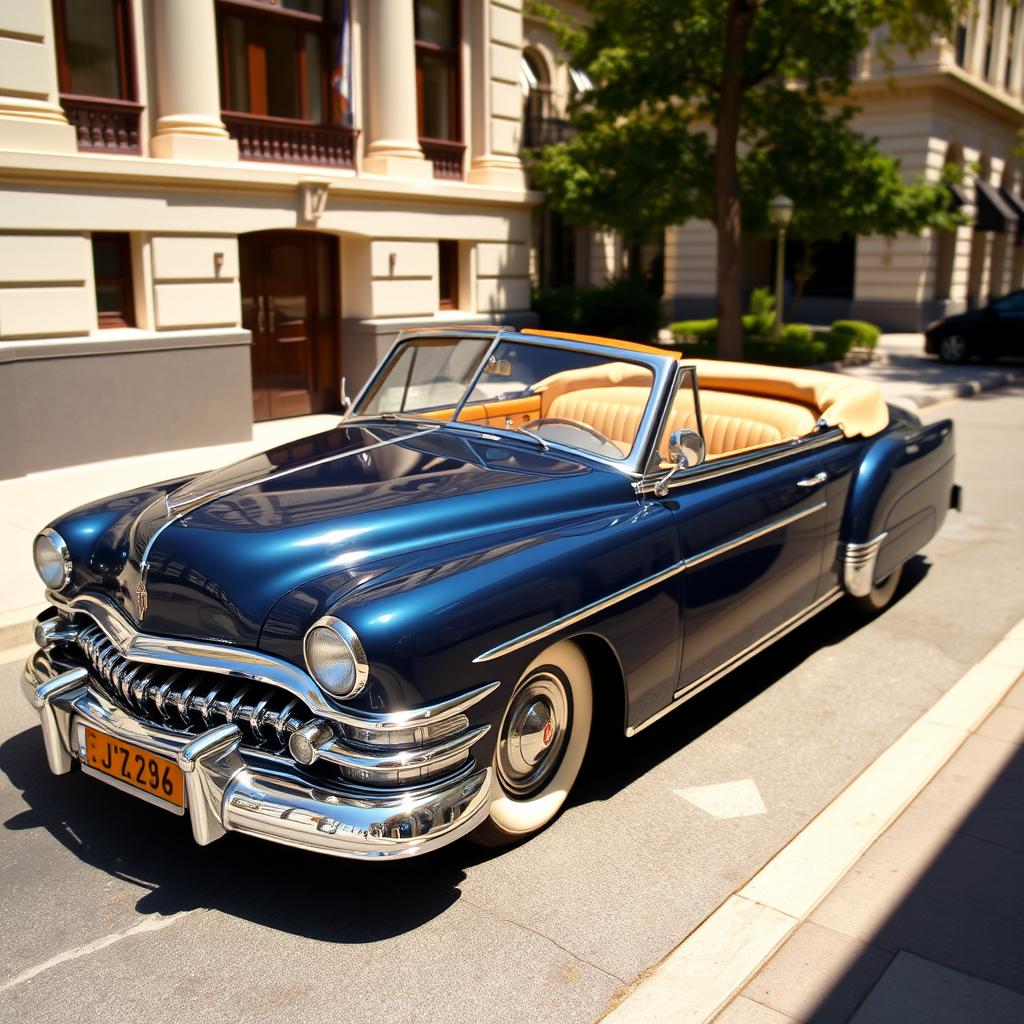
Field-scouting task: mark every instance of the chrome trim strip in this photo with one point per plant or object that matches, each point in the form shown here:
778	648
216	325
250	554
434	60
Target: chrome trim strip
249	664
746	538
745	460
227	790
414	757
692	689
858	562
650	581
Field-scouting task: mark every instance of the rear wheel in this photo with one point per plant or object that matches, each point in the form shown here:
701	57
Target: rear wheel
881	594
541	742
953	348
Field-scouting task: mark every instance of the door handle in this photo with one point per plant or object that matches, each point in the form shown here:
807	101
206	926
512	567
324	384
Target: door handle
813	481
261	321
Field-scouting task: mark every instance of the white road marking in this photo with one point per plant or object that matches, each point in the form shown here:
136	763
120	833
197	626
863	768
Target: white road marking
739	799
149	924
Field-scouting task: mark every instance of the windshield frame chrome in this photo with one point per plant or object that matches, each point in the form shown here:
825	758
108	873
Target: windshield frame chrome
663	369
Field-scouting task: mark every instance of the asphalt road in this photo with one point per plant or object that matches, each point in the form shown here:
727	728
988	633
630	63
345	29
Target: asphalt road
110	913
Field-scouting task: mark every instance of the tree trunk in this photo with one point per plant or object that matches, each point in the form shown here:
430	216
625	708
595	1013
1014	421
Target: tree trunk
727	183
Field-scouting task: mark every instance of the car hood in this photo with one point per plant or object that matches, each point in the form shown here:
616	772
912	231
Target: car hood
210	559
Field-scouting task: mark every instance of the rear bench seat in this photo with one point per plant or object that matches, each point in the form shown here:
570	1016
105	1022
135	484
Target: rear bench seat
732	421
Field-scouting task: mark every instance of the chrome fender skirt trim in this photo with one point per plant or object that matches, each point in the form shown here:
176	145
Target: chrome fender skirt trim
858	562
228	790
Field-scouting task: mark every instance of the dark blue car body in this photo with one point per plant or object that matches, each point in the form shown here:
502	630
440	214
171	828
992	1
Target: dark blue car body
456	554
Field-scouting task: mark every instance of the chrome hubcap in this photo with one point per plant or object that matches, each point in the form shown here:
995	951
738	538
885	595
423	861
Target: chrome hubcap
954	348
533	734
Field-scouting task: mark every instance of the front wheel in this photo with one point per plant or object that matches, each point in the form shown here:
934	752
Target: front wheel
953	348
541	742
881	594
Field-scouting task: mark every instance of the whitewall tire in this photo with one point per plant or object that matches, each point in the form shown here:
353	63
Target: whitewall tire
542	739
881	594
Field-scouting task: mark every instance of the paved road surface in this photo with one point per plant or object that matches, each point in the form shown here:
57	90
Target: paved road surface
112	914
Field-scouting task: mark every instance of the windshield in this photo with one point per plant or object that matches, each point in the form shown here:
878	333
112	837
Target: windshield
589	402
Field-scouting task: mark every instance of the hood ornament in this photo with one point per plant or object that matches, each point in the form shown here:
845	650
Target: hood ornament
141	596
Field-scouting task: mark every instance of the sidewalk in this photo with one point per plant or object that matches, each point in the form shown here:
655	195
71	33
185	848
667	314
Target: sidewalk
923	924
28	503
914	380
929	924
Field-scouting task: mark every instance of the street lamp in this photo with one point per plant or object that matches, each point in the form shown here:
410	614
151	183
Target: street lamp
780	213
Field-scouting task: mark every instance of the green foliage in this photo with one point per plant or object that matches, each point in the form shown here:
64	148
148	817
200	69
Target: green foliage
798	334
837	344
624	308
694	330
643	157
761	313
784	351
863	334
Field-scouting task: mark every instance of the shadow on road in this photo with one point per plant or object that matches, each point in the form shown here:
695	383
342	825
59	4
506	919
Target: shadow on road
326	898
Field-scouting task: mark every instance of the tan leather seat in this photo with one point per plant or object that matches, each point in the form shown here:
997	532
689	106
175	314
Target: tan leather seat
732	422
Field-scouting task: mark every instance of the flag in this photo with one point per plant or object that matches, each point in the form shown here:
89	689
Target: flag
341	74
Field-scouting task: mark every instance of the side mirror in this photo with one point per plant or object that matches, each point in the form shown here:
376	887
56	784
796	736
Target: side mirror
687	450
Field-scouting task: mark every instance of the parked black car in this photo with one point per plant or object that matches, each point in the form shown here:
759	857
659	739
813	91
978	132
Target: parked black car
990	332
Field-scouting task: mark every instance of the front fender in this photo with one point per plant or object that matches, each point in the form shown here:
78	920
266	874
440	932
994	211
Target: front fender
426	626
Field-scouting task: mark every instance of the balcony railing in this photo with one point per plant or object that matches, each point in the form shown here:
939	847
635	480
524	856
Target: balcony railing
282	140
545	131
103	125
446	157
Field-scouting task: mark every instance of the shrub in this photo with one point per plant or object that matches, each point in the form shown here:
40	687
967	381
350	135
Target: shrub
622	309
694	330
798	334
862	334
761	313
791	351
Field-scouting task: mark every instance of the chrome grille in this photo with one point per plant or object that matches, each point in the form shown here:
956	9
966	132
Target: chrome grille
190	701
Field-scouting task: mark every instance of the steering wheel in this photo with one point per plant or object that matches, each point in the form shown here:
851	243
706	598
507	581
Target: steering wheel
567	432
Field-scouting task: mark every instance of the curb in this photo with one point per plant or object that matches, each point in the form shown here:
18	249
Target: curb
16	634
965	389
713	963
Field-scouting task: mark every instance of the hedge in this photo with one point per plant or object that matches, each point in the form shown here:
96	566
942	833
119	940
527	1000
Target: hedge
621	309
864	335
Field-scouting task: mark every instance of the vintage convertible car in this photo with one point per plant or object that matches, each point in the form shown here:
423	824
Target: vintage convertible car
378	639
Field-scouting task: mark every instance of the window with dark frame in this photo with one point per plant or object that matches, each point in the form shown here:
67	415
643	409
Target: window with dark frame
438	79
94	51
112	268
276	58
448	274
96	73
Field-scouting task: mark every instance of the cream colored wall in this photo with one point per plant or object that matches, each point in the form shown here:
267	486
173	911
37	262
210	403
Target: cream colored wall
46	285
30	112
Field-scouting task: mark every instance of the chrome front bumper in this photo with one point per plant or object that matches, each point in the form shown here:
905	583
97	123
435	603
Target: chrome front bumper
231	789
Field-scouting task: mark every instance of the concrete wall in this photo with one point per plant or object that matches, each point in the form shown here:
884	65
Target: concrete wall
86	399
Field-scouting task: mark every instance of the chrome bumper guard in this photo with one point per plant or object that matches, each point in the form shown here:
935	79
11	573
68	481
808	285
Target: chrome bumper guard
229	789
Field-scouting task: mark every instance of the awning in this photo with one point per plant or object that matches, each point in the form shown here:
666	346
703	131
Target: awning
958	197
994	213
580	80
1015	203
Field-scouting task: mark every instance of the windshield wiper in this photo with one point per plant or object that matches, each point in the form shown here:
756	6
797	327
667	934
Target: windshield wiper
477	428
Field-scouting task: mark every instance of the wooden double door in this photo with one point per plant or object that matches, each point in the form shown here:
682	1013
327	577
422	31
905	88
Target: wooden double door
290	304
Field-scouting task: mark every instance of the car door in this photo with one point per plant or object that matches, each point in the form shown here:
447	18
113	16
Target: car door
1009	325
751	533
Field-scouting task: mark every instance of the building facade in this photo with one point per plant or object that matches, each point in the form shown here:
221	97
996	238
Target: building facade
220	211
962	102
215	211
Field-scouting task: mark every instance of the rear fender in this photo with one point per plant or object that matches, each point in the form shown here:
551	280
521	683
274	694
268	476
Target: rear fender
898	501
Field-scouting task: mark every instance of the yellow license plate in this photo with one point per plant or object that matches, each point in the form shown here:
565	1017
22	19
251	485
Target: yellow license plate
156	776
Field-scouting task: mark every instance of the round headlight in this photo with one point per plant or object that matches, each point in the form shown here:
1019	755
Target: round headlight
53	560
335	657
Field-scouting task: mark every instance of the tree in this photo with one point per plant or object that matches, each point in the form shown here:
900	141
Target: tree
708	108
